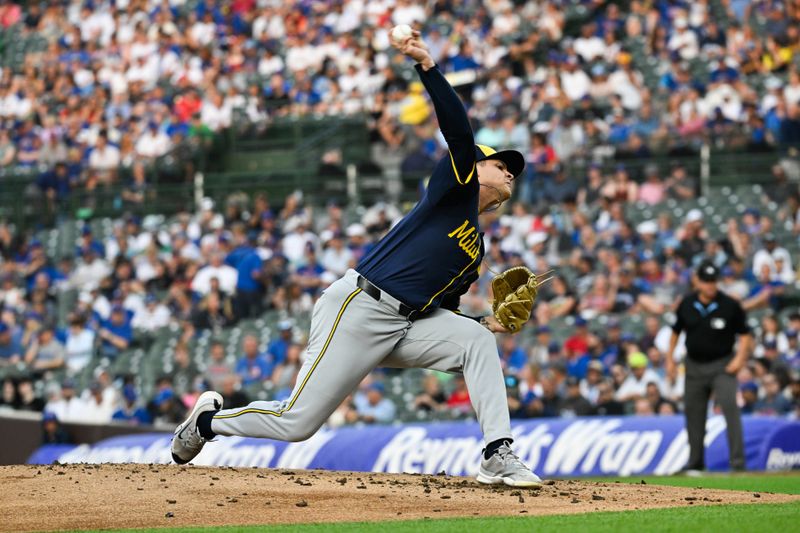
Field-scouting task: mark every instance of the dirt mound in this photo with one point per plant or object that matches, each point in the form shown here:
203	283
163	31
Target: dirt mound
43	498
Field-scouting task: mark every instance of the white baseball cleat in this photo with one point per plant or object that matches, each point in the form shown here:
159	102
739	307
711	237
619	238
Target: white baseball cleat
505	467
187	441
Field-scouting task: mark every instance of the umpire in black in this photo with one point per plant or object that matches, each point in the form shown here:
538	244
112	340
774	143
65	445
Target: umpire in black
712	320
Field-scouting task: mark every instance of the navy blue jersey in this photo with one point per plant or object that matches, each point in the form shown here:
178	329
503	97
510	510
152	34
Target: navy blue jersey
434	252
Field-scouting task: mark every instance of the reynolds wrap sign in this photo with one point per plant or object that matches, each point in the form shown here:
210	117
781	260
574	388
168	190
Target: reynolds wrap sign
619	446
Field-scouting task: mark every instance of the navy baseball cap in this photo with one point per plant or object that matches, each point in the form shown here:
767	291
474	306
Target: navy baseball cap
514	160
163	396
748	386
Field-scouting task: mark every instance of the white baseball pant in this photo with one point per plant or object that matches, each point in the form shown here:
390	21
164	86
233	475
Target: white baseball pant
351	334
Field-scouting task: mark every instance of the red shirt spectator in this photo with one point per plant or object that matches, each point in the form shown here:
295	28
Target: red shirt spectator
10	14
187	105
578	343
459	398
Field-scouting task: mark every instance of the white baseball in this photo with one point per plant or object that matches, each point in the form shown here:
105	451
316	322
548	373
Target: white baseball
401	32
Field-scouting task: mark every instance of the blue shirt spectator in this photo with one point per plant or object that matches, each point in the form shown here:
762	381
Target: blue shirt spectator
512	357
130	412
248	264
116	332
278	347
10	346
253	367
55	183
373	407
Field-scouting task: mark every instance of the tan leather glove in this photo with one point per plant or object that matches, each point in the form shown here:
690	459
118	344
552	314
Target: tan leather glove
514	291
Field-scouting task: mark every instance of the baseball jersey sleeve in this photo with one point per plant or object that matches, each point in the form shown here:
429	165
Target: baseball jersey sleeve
453	122
680	323
739	324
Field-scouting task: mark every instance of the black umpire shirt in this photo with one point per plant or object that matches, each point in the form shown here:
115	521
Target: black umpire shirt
710	329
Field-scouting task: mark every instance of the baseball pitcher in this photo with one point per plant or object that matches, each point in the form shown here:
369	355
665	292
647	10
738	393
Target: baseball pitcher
399	307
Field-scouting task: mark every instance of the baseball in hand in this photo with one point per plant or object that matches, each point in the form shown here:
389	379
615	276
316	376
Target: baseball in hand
401	32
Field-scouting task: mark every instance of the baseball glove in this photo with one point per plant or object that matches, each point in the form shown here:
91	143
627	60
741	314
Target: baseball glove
515	291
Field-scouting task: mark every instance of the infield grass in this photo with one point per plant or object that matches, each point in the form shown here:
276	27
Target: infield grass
756	482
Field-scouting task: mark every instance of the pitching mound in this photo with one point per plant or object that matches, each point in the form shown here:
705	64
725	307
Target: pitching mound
43	498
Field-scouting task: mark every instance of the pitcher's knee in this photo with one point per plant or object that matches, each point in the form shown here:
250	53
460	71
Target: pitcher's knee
298	429
300	434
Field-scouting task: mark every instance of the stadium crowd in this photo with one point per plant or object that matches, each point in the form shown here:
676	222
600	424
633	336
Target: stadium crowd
116	85
93	92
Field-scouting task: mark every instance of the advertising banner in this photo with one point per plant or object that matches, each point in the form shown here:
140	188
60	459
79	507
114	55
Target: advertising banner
619	446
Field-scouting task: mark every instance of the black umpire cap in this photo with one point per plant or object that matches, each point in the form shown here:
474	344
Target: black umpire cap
707	271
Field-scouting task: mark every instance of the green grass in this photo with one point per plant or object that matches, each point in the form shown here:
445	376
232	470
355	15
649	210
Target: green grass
722	519
783	483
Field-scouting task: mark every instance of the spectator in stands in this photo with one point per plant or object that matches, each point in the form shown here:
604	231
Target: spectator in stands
579	343
45	352
27	400
152	317
607	405
776	258
214	312
599	300
104	159
336	258
153	142
79	345
115	333
278	347
52	430
432	398
574	403
218	367
90	270
590	385
749	394
512	357
67	407
183	371
285	374
253	367
635	385
772	402
231	392
659	404
95	408
8	398
11	351
130	412
8	150
372	407
679	185
226	275
458	400
165	408
244	258
621	188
